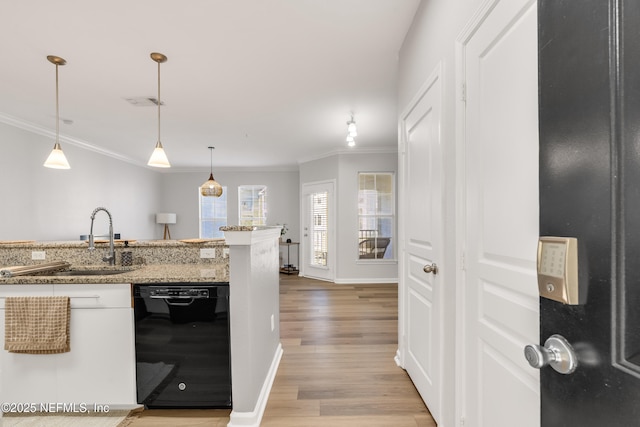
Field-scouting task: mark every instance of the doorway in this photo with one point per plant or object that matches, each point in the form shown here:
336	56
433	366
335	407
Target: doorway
421	330
318	225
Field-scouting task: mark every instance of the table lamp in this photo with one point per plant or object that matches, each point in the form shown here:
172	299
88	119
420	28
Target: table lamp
166	219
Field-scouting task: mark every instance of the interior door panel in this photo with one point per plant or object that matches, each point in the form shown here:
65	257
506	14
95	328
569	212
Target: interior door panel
500	216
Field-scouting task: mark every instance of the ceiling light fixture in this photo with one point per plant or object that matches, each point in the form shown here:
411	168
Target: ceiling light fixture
352	132
351	142
351	127
158	157
211	188
57	159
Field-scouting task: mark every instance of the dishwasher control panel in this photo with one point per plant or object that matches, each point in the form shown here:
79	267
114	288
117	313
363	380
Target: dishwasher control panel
179	293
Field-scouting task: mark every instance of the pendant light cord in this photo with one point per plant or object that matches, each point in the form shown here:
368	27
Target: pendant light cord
57	110
159	102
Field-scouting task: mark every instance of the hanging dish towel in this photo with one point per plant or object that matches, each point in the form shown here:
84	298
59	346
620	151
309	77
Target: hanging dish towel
37	325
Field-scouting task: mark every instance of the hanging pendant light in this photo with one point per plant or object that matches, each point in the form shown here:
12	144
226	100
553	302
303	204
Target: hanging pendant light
211	188
352	130
57	159
351	142
158	157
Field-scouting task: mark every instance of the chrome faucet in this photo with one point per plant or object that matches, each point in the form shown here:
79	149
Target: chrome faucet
111	259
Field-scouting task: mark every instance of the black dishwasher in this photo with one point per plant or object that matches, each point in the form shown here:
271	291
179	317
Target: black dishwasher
182	345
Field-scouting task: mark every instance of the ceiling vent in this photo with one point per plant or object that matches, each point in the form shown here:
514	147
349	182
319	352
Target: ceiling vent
143	101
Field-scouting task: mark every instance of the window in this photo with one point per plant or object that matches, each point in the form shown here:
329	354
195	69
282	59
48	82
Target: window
252	204
213	215
376	215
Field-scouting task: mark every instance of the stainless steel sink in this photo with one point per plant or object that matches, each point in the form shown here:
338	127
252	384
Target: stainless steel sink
103	272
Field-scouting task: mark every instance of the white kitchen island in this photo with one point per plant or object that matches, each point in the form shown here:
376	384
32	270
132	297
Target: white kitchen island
100	369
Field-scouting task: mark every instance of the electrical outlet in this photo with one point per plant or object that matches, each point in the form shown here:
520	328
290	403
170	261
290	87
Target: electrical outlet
273	323
39	255
208	272
208	253
225	253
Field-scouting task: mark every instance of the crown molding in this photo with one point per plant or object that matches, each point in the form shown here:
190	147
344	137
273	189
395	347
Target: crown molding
349	151
39	130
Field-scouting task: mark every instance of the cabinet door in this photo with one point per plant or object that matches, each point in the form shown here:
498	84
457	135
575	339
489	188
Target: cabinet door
26	377
100	367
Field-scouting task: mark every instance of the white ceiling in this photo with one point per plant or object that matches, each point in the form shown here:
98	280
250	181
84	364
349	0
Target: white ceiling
269	83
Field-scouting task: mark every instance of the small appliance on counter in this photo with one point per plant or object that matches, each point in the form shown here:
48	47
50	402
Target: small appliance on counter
126	258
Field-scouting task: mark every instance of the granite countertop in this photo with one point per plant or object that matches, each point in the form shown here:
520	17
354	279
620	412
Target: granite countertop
157	273
103	243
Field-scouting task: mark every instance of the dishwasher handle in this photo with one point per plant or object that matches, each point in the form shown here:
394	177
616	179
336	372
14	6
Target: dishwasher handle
182	298
178	304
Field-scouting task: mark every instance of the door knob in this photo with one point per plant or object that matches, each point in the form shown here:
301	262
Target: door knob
433	268
557	353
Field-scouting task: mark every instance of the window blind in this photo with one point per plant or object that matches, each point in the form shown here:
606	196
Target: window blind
320	210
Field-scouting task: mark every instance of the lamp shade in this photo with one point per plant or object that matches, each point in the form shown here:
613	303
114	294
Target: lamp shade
211	188
57	159
165	218
159	158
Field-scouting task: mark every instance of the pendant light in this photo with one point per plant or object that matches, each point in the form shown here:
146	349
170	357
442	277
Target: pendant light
158	157
57	159
211	188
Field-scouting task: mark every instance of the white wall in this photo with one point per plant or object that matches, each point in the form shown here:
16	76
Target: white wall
344	169
39	203
180	196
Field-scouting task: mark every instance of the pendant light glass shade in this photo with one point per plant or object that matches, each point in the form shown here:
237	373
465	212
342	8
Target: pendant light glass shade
211	188
159	158
57	159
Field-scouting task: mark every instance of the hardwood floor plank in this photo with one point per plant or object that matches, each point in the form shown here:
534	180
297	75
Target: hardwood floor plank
350	338
354	421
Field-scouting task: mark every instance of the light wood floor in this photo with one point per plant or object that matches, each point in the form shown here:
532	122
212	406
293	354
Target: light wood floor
337	368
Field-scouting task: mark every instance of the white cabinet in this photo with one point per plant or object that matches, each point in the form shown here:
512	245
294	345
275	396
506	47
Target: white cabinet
25	377
100	368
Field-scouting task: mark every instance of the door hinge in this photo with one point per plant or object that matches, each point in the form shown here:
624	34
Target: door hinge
462	421
463	265
463	94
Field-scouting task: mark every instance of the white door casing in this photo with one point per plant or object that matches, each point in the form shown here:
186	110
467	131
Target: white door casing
308	267
498	163
420	295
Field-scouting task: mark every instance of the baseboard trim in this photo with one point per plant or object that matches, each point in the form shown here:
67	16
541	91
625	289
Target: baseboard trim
253	418
398	359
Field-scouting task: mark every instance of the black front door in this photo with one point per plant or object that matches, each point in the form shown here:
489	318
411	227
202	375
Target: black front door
589	55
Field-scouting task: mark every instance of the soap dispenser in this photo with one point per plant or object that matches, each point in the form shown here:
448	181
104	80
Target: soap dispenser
127	256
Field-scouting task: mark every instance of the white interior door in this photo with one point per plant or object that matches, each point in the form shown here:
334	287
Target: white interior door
318	225
501	214
422	230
